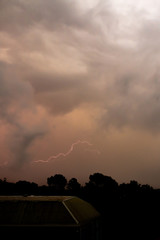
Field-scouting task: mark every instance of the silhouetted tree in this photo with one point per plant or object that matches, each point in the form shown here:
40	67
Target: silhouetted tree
101	191
73	186
134	185
102	181
25	187
146	188
6	188
58	182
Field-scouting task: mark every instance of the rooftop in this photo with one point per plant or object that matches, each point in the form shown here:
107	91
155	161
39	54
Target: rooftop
45	211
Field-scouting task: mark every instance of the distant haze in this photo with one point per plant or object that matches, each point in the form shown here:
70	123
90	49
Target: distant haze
85	71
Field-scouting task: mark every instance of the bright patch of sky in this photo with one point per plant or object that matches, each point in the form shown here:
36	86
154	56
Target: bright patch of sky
149	7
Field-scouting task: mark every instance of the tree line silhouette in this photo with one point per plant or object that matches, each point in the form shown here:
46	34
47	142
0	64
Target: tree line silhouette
128	210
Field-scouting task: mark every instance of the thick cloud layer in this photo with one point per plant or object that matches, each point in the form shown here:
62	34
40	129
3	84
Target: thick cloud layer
71	70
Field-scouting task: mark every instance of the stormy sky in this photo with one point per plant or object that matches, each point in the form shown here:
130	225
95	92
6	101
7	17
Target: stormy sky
80	89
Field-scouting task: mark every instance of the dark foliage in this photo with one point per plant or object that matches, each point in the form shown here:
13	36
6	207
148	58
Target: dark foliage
128	211
73	186
57	183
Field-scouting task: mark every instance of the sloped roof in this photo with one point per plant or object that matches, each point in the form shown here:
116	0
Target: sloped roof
45	211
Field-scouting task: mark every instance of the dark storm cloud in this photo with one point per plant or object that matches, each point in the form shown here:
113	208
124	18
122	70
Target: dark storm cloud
22	19
69	72
134	93
123	78
18	15
23	86
134	101
55	58
11	91
60	93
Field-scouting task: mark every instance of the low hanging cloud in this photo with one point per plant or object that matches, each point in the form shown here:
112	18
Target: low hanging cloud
16	111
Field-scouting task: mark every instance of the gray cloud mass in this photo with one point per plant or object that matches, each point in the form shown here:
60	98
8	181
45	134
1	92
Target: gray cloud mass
56	58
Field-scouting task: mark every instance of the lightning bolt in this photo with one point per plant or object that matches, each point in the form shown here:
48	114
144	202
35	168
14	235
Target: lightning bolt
64	154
